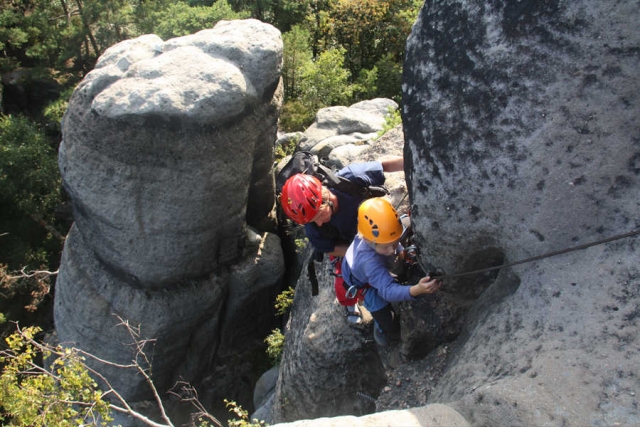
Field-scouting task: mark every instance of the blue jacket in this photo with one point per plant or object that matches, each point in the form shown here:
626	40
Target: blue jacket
362	265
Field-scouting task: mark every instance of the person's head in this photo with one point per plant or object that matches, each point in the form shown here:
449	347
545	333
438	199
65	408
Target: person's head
305	200
379	225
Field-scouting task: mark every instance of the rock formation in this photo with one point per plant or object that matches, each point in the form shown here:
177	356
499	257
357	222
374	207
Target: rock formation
520	121
521	137
167	154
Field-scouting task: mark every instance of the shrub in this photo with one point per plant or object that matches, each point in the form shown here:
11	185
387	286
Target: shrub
275	345
284	300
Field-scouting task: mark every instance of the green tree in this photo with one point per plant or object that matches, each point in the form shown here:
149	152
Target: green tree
31	395
66	34
29	193
325	82
180	19
282	14
389	78
43	385
365	86
296	56
369	29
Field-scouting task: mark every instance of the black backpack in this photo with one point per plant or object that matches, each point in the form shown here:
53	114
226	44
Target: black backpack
307	163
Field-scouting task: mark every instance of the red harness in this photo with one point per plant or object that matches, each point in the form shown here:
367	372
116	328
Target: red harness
345	296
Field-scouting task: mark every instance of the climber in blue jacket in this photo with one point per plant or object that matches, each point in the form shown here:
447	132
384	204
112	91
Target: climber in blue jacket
367	262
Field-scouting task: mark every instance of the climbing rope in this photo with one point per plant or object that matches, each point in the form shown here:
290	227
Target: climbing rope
401	200
366	397
535	258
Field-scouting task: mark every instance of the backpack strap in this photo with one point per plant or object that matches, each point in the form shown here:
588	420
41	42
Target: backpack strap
343	184
313	278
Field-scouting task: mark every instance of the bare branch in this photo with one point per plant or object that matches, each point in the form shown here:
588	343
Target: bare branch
187	393
37	218
24	274
135	335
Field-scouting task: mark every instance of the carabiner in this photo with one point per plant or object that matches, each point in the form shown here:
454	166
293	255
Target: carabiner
351	292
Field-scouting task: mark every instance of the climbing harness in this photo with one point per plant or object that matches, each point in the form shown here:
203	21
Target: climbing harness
441	276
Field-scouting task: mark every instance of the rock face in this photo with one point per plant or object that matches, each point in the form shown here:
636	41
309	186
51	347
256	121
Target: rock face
521	138
167	156
521	130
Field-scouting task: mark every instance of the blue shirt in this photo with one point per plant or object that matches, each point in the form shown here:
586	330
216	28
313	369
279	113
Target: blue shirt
345	220
362	265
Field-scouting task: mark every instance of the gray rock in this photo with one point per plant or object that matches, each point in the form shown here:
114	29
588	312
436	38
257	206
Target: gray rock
265	387
288	137
324	148
325	362
379	106
435	415
167	167
365	117
263	413
521	131
346	154
146	178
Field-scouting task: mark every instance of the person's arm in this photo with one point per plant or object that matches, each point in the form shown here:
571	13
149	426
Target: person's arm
426	285
393	164
339	250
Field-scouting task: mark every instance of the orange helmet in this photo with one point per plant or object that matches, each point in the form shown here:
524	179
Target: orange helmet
378	221
301	197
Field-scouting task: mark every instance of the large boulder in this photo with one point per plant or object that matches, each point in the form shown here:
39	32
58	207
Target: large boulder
149	146
336	126
166	166
521	130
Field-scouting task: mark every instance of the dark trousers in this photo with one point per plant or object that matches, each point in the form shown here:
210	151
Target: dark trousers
387	319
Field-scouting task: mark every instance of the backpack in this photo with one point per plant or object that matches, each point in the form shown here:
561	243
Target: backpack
307	163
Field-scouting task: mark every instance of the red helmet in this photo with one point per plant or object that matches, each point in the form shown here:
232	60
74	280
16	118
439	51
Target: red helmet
301	197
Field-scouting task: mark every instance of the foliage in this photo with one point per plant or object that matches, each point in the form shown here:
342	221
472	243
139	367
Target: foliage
301	244
389	78
29	193
365	87
368	29
63	34
295	116
325	81
23	291
46	385
286	148
284	300
243	416
275	345
391	120
55	110
296	56
180	19
62	395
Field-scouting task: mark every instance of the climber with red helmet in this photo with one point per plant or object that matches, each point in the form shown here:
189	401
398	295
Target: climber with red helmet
365	265
328	214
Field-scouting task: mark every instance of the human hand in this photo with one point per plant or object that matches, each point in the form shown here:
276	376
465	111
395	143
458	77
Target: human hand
426	285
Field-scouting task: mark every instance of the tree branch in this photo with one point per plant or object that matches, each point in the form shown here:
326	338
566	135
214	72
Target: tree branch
192	397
